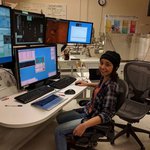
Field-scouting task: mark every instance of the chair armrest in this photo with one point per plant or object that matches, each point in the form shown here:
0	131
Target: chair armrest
147	100
83	102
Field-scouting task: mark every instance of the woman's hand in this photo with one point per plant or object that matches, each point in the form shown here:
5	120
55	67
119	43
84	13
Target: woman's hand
81	83
85	83
79	130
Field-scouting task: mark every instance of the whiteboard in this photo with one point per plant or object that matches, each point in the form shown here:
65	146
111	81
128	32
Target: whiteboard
54	10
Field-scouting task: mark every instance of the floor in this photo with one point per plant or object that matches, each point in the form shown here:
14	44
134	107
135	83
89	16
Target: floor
45	140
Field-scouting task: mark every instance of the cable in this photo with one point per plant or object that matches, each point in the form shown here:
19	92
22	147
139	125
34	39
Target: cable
109	38
80	11
87	11
7	71
101	21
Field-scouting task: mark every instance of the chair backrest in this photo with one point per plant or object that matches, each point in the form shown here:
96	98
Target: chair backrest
137	76
123	92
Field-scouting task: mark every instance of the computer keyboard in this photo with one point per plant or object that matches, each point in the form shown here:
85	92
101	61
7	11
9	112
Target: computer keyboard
34	94
63	82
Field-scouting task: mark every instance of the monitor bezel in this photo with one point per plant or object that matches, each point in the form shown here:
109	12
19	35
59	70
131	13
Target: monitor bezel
18	70
8	62
57	20
80	22
13	27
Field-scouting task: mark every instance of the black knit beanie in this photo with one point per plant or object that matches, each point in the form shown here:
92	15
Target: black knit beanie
113	57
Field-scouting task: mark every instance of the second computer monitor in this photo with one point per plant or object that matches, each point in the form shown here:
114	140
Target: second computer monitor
56	31
28	28
36	64
80	32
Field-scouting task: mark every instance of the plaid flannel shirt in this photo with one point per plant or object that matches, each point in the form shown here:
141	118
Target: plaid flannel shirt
104	104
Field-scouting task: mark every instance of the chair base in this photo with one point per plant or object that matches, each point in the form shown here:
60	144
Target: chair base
130	130
79	148
84	146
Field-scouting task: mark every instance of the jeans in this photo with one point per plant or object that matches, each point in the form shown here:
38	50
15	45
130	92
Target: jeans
67	122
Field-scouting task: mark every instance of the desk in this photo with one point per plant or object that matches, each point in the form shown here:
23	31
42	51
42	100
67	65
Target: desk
27	115
71	63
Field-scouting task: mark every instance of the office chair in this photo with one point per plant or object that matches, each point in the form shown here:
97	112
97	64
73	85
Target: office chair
137	76
94	134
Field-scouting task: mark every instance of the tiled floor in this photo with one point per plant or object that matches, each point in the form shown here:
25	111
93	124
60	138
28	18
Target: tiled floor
45	140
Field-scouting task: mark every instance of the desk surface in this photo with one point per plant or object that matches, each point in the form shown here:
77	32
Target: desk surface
90	60
27	115
78	57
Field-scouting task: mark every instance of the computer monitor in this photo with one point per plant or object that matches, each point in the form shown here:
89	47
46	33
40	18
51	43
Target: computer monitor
56	31
28	28
35	64
148	12
79	32
5	35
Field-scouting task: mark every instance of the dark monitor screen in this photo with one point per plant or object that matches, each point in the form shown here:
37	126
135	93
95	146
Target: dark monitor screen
56	31
28	28
80	32
36	64
148	12
5	35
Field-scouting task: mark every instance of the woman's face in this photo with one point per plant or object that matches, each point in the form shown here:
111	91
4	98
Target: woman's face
105	67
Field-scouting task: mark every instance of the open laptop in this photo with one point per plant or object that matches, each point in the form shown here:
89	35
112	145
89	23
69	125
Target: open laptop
49	102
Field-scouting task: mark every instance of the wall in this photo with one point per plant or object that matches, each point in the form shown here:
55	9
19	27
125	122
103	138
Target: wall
89	10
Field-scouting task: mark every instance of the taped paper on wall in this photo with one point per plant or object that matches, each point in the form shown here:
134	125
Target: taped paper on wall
55	10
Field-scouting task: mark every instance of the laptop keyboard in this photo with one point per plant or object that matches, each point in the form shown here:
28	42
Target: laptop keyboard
48	102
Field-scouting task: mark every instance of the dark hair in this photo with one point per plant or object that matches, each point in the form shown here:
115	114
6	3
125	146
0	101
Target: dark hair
114	75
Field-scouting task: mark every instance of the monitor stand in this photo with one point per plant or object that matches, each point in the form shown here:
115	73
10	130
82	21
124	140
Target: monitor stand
34	86
51	80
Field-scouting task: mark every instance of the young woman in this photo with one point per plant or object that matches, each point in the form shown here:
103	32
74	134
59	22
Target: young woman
99	110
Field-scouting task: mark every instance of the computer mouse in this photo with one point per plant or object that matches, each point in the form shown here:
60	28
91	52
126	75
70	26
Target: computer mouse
69	92
77	83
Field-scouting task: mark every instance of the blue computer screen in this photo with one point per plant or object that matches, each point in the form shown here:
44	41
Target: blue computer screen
36	64
80	32
5	35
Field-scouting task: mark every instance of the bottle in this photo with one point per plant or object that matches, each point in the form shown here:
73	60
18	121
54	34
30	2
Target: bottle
66	54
